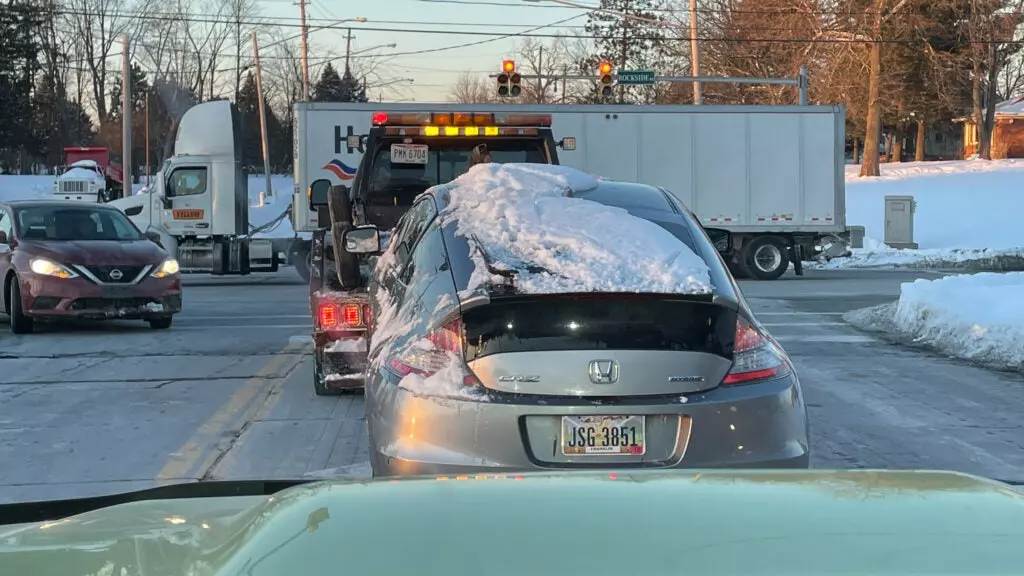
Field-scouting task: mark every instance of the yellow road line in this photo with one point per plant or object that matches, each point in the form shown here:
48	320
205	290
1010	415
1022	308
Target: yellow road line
226	464
243	404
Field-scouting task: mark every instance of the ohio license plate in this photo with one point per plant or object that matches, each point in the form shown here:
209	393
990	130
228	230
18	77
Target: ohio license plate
603	435
409	153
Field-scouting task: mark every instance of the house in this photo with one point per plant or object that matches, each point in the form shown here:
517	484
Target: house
1007	134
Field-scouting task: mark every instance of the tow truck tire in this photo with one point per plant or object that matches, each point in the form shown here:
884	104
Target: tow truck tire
20	323
160	323
765	258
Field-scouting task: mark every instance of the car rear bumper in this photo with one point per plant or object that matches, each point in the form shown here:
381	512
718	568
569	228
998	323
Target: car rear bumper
761	425
47	297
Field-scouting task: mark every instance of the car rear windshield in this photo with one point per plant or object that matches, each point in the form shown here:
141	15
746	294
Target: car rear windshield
70	223
599	322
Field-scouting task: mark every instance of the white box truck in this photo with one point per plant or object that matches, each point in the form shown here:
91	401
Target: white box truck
766	181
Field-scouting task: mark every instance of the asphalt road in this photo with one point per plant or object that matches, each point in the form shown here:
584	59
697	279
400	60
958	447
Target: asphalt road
227	393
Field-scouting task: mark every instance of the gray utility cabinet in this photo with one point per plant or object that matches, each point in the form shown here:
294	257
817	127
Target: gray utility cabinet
899	221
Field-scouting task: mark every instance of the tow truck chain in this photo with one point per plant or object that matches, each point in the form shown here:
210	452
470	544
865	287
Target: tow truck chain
269	226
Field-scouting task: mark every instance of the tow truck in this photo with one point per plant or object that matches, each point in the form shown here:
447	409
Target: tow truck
406	152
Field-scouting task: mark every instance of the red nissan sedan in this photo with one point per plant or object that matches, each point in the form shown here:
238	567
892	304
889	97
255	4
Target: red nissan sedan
61	259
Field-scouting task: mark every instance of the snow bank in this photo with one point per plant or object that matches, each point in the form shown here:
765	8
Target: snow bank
875	254
524	217
972	316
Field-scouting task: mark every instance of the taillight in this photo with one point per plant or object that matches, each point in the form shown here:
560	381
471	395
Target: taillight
334	316
441	350
755	356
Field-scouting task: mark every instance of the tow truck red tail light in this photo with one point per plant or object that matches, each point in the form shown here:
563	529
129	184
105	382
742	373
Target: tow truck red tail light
341	316
427	357
755	356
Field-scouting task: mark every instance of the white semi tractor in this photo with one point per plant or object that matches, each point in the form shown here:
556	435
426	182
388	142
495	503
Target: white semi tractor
199	203
766	181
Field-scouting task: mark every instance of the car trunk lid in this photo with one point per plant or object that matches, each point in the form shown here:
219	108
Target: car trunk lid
600	345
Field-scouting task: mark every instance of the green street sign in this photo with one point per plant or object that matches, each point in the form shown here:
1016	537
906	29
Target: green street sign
636	77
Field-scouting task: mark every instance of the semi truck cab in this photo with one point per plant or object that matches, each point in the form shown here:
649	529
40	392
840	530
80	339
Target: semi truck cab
406	153
199	203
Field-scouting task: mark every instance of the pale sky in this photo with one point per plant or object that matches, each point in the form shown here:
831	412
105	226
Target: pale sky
417	25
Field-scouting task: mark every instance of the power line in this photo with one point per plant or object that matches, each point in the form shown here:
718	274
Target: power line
494	35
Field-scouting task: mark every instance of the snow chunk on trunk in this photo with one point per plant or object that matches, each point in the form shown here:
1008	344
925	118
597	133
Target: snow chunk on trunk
526	219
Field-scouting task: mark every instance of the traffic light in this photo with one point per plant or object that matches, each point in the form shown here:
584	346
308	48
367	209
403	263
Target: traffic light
509	81
605	78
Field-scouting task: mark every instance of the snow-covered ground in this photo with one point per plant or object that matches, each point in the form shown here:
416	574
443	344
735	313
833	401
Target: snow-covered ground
967	210
964	207
29	187
972	316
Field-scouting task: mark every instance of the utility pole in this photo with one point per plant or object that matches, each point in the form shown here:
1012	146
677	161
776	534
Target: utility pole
147	140
625	51
694	52
348	49
305	50
263	114
565	73
541	96
126	119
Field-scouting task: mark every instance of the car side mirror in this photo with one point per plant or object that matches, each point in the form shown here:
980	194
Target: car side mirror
154	238
362	240
318	193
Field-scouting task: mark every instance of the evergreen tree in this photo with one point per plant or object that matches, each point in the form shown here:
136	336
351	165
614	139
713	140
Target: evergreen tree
338	88
20	25
248	109
629	44
58	122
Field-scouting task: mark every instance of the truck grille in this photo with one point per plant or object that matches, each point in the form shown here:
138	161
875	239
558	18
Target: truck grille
127	273
73	186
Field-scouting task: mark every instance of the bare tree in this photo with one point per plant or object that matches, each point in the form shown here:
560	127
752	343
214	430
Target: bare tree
471	88
549	60
100	24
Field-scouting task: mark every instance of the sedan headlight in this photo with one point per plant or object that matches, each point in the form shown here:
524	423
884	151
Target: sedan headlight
168	268
46	267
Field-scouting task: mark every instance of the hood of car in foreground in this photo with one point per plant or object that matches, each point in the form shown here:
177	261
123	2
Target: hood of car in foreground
96	252
715	522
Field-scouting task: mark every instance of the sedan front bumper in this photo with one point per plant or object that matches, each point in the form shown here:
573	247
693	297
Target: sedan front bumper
49	297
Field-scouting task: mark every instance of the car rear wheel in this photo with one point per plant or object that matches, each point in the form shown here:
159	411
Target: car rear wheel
160	323
20	323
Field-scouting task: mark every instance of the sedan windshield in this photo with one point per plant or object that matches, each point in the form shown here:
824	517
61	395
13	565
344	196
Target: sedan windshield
64	223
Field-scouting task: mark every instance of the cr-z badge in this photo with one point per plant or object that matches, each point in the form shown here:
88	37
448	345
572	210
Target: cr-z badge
518	378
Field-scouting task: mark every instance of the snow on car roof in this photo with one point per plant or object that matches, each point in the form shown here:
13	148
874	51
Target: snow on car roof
525	218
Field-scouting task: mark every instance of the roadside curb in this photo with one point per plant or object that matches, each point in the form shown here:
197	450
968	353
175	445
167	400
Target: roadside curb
878	321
